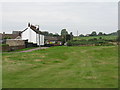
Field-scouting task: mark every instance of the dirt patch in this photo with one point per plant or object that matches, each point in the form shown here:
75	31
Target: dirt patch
90	77
34	49
38	60
104	63
31	64
83	51
115	77
42	56
9	61
38	55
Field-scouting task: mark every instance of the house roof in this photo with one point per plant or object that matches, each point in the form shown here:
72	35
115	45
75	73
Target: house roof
16	32
11	36
34	28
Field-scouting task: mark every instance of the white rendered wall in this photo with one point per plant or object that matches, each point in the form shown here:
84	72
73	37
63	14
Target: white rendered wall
30	35
41	38
33	36
25	35
37	39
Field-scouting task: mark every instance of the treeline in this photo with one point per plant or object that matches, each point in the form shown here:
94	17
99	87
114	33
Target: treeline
97	41
64	32
94	33
93	42
65	36
46	33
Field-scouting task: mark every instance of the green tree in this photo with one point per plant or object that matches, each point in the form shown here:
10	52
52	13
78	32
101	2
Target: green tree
81	35
71	36
56	34
64	32
45	33
100	33
50	34
93	33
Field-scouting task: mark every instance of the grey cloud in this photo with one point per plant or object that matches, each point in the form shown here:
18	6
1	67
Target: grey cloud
55	16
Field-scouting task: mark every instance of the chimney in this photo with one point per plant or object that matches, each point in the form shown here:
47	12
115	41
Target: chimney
28	24
38	28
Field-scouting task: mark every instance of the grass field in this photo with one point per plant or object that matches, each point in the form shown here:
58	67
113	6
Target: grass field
62	67
111	37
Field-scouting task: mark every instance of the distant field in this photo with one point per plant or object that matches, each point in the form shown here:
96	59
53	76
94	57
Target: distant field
91	37
62	67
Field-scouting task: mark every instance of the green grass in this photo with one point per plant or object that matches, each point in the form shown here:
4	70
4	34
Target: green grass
24	49
62	67
111	37
0	70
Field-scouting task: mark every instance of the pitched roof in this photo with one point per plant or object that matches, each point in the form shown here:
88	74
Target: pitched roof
11	36
16	32
34	28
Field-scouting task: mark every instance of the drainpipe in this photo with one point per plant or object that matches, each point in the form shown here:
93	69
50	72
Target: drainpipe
39	40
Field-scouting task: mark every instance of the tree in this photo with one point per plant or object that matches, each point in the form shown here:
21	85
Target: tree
71	36
81	35
56	34
93	33
50	34
45	33
104	34
100	33
64	32
7	38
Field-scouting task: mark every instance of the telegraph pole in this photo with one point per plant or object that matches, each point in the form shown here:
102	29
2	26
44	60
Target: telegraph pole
77	34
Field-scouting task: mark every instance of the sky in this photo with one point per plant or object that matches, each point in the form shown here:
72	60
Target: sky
83	17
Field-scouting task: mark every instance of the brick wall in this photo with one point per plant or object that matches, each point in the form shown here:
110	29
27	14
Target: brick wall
15	42
12	48
5	48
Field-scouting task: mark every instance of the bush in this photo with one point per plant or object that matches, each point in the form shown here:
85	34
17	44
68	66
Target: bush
89	42
94	39
4	45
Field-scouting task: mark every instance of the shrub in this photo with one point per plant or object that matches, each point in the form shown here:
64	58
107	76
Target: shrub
89	42
4	45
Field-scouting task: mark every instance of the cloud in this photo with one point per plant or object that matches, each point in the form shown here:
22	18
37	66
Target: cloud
60	0
53	16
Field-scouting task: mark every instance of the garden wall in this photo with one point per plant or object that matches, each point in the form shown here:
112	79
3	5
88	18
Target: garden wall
13	44
12	48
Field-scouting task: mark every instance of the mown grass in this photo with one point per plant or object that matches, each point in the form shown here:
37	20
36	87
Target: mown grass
62	67
0	70
23	49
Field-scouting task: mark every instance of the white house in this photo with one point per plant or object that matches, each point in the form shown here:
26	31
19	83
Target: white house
32	34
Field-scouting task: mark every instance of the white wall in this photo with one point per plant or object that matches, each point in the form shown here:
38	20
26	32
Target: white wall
32	37
41	39
25	35
37	39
